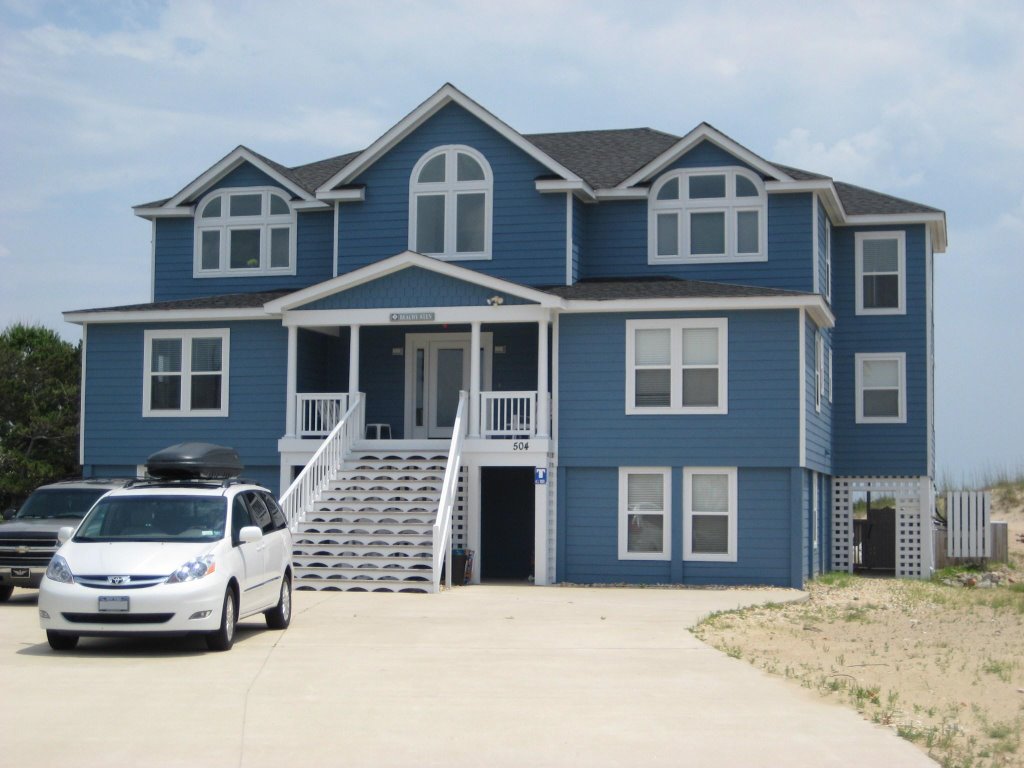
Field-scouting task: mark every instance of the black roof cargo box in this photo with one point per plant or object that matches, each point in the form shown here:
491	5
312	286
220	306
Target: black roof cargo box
194	461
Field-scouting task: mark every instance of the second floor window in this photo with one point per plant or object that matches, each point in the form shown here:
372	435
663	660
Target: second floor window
450	204
881	265
707	215
245	231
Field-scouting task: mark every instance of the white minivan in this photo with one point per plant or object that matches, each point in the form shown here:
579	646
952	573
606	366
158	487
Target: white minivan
188	555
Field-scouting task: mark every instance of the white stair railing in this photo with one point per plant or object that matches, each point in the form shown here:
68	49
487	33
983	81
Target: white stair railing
442	538
508	414
319	412
323	467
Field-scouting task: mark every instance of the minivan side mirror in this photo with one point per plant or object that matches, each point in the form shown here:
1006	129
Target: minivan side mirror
249	534
64	533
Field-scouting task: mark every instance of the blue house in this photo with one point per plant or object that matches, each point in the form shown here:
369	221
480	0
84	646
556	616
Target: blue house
598	356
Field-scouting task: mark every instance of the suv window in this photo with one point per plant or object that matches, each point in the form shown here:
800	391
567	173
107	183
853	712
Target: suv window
48	503
276	513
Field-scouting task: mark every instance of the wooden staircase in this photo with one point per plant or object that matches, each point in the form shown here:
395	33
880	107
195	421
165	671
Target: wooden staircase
371	529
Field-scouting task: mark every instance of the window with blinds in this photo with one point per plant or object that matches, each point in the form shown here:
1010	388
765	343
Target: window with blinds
709	513
881	273
186	373
676	366
644	521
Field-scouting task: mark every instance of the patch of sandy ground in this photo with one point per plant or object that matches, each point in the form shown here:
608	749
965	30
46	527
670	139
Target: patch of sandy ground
941	665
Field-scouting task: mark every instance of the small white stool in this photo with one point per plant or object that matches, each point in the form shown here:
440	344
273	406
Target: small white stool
378	431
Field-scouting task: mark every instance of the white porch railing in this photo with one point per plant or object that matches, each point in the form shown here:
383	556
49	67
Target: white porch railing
508	414
443	522
319	412
322	468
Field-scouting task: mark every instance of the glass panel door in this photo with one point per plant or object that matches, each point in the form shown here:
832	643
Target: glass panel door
449	373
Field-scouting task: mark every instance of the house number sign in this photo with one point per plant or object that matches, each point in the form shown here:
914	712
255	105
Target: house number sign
407	317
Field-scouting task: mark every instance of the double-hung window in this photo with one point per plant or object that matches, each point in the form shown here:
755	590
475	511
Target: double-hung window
707	215
450	204
881	265
645	513
244	232
186	373
881	382
819	369
710	512
677	366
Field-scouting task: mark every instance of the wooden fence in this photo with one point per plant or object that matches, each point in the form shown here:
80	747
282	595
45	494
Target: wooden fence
967	525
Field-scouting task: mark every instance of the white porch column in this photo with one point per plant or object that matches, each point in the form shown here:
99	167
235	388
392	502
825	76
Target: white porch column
290	381
353	360
542	379
474	379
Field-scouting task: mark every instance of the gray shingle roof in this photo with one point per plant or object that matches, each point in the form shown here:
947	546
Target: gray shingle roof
661	288
224	301
604	159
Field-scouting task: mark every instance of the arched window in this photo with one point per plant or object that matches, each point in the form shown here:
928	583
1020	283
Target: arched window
707	215
450	204
245	231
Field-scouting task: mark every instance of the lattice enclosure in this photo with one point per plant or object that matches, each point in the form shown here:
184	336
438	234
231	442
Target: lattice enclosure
913	496
552	530
459	512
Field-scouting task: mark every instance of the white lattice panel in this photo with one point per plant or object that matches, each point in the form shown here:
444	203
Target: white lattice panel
913	526
552	532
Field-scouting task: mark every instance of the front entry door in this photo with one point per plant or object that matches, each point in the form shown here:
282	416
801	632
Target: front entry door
437	367
448	372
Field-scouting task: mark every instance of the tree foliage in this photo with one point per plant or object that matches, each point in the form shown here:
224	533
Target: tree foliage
40	377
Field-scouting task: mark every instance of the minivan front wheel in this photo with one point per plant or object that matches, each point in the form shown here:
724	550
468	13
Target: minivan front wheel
5	593
224	637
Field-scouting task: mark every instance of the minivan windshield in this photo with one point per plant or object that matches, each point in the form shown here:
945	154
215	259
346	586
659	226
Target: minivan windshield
47	503
155	518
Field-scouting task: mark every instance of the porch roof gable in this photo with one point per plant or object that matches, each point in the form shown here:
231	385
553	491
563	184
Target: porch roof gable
403	261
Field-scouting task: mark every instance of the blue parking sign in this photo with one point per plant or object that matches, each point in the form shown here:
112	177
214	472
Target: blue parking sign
540	475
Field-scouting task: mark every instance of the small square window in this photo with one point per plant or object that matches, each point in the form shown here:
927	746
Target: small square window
881	384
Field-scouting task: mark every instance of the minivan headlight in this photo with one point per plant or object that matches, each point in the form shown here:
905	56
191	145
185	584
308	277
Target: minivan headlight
194	569
58	570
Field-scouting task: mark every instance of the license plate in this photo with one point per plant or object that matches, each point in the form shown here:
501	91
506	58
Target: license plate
113	604
21	573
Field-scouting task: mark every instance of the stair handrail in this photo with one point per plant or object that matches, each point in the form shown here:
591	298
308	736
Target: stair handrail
321	469
442	538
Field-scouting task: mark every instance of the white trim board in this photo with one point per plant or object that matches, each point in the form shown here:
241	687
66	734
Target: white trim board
224	166
168	316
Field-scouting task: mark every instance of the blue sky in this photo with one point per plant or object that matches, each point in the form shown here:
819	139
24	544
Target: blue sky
109	104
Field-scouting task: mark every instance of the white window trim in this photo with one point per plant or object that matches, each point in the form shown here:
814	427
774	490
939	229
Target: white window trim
675	327
731	205
819	369
815	510
226	223
828	260
624	513
859	360
733	514
901	249
829	353
451	189
186	337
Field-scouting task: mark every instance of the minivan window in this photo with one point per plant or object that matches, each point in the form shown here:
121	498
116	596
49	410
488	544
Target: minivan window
154	518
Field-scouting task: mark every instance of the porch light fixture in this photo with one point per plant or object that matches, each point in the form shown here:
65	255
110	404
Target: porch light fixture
495	301
398	351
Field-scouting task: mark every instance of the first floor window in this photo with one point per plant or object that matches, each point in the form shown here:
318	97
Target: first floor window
676	366
881	381
186	373
709	513
644	513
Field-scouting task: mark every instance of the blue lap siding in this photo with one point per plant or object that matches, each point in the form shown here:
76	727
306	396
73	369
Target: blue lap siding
116	433
529	228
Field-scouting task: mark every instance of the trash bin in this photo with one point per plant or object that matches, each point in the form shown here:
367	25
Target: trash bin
459	575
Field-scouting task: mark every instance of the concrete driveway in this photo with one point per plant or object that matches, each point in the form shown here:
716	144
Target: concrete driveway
489	676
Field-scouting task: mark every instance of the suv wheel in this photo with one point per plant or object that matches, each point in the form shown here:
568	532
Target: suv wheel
280	616
223	638
61	642
5	593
